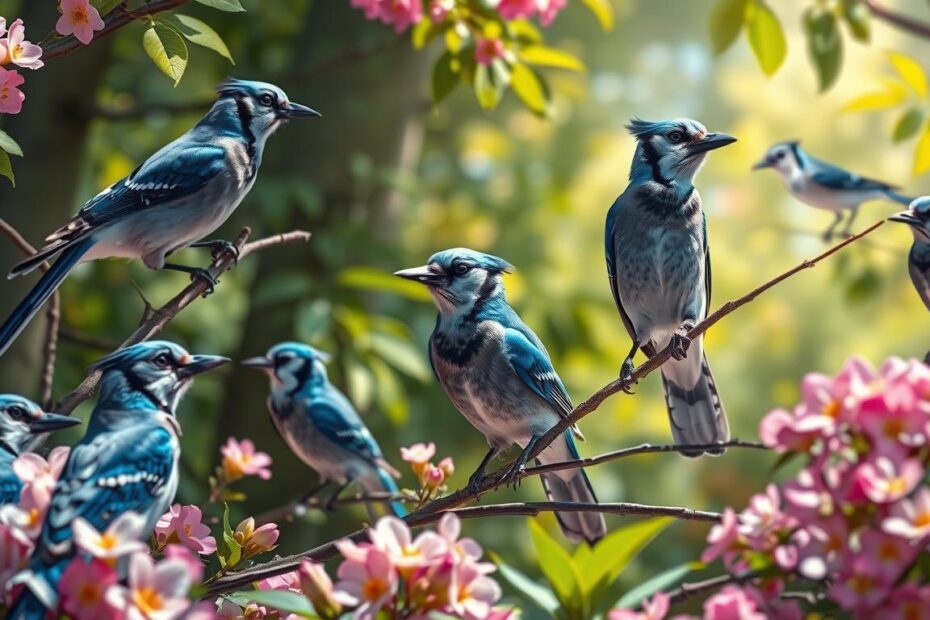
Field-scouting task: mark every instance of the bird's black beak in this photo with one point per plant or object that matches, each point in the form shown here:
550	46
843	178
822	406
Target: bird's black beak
907	217
763	163
710	142
423	275
199	364
295	110
52	422
259	363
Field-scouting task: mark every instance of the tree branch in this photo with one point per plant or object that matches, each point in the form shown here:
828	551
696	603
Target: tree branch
688	590
902	22
162	316
327	551
113	21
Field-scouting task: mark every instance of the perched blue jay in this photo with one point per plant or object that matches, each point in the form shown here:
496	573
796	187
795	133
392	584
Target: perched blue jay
320	425
21	422
127	460
180	194
822	185
918	261
498	374
658	263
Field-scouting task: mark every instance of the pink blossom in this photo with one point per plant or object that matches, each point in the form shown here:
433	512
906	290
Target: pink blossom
859	586
551	10
18	51
392	536
910	518
473	593
450	528
764	519
401	13
256	540
517	9
820	546
84	587
38	475
439	9
192	561
433	478
724	538
654	609
182	524
240	459
418	453
78	18
891	555
123	537
732	603
447	465
908	602
883	481
808	496
368	582
153	592
795	431
486	50
287	581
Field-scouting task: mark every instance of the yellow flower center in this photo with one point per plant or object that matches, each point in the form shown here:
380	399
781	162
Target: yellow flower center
148	600
374	588
79	15
888	551
861	583
89	594
922	519
897	486
832	409
893	427
232	468
108	541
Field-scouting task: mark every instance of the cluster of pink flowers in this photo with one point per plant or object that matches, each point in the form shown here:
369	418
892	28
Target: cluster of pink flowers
432	478
239	459
395	573
857	515
78	18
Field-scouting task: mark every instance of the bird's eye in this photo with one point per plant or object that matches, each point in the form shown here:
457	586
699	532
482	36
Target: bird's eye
162	360
675	136
780	155
17	412
266	99
461	269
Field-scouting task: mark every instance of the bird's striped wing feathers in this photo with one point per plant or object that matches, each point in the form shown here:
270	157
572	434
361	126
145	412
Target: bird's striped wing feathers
836	178
337	420
535	369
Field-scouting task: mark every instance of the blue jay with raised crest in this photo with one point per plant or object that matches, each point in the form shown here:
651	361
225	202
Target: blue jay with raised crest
658	263
498	374
320	425
179	195
822	185
22	422
917	217
127	460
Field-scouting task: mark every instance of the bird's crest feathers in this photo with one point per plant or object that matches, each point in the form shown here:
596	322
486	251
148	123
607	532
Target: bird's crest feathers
488	262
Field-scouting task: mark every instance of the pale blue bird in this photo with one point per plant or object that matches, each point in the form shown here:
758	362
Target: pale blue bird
320	425
127	460
498	374
179	195
658	262
822	185
22	422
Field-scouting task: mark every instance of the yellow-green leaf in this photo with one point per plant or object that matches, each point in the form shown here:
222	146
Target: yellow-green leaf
550	57
488	94
908	124
370	279
890	98
922	154
230	6
612	554
726	20
910	71
556	564
857	17
766	37
8	144
530	88
445	79
6	167
824	44
203	35
166	47
524	31
603	11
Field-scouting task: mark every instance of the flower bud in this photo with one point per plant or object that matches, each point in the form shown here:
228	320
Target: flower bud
316	585
447	465
433	478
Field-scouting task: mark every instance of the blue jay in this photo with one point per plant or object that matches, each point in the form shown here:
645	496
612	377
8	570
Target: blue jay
822	185
918	261
180	194
320	425
498	374
127	460
21	422
658	262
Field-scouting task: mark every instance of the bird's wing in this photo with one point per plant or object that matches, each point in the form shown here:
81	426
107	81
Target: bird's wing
834	177
336	418
532	365
111	474
707	274
610	252
10	488
175	172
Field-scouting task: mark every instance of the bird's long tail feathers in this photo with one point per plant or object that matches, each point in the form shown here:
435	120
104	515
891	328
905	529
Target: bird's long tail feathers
385	483
694	408
571	485
47	285
899	198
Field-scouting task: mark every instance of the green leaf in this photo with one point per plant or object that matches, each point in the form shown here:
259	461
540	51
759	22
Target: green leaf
230	6
531	89
922	153
390	394
233	550
603	11
660	583
9	145
532	592
370	279
359	381
766	37
6	167
910	71
893	97
726	21
105	6
543	56
908	125
200	33
282	600
402	355
445	79
824	44
857	18
488	94
313	319
557	565
166	47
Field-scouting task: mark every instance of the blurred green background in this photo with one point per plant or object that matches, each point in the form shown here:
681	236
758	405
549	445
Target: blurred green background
383	180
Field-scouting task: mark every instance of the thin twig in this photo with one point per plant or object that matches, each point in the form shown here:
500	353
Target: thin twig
328	550
69	334
903	22
162	316
688	590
